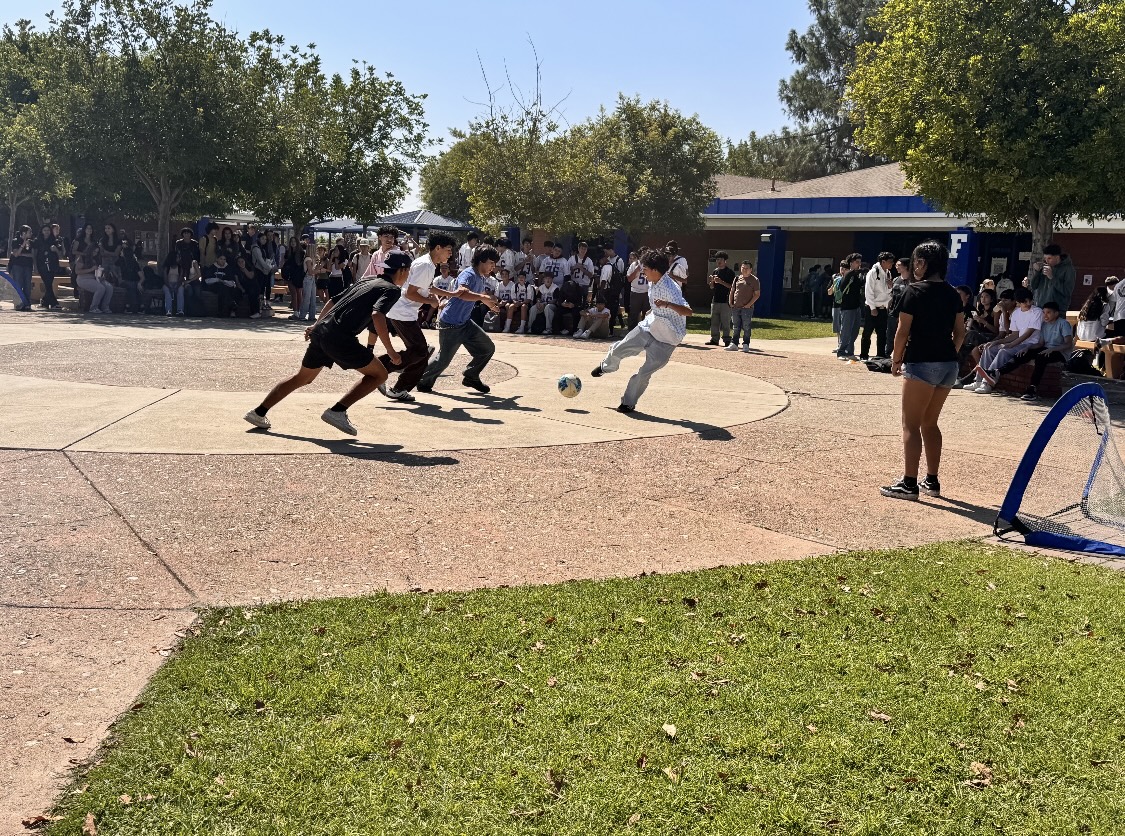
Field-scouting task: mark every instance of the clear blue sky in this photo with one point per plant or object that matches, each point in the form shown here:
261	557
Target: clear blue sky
720	59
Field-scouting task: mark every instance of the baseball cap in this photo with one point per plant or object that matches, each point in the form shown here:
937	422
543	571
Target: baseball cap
395	262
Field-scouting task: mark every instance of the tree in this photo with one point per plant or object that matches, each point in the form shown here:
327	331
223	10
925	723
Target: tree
789	155
159	91
667	161
29	172
331	146
442	191
524	168
1012	111
814	94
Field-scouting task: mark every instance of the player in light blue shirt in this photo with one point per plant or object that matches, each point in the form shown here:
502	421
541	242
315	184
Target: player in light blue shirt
657	335
456	327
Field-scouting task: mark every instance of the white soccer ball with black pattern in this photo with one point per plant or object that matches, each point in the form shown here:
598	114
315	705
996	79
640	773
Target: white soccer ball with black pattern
570	386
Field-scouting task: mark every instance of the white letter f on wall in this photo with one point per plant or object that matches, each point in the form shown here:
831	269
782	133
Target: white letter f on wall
957	240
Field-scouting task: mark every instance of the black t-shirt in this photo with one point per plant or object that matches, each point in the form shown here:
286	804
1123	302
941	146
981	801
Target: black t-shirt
352	309
935	306
722	294
851	290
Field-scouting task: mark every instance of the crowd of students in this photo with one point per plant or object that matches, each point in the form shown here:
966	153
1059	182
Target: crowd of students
587	295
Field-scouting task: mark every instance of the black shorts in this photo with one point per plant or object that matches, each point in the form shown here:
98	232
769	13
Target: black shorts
322	283
346	352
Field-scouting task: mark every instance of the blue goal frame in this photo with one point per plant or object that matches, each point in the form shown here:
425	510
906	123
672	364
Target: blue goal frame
1008	519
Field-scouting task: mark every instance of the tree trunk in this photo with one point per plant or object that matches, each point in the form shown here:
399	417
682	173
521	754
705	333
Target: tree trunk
163	227
1042	220
12	206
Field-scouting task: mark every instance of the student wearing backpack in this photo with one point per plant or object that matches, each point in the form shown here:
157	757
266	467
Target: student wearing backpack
850	296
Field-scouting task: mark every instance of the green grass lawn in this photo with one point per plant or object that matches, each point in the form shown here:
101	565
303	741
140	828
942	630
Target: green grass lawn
954	689
782	328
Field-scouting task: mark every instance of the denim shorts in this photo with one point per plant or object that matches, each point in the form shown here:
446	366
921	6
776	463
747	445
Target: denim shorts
936	374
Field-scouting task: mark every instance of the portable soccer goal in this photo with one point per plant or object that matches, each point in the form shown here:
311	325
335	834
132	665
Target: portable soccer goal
1069	490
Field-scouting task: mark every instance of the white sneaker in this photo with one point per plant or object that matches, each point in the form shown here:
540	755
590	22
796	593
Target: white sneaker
255	316
547	334
522	329
565	333
340	421
259	421
982	389
507	327
585	335
746	348
731	347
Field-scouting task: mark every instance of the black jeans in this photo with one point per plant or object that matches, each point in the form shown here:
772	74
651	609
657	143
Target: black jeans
413	357
450	339
878	322
1042	358
48	300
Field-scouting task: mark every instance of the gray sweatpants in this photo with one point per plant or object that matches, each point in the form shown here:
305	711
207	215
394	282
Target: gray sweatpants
657	355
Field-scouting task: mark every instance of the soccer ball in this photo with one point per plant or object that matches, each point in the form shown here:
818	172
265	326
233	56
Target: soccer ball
569	386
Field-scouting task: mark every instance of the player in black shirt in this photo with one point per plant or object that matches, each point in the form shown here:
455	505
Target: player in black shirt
333	339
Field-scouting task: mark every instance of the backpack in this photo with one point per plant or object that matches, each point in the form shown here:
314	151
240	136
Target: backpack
617	281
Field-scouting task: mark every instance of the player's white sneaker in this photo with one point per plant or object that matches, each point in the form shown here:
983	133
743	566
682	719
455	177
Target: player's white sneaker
259	421
340	421
731	347
522	329
507	327
565	333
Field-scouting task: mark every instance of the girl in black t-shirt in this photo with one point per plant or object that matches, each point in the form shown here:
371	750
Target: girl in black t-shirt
931	329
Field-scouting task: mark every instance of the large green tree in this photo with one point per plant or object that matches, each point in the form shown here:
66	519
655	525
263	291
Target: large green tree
667	163
29	172
330	146
149	104
814	94
441	187
524	168
787	155
1012	110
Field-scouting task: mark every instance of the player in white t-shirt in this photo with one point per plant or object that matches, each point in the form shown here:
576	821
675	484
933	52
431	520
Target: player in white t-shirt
524	298
638	289
581	269
1026	334
465	254
594	323
544	304
417	291
678	268
554	265
506	297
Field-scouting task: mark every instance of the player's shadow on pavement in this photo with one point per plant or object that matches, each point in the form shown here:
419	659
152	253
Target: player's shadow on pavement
433	410
976	513
706	432
490	401
365	450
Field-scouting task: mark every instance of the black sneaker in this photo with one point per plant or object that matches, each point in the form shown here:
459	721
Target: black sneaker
476	383
626	408
1030	394
712	342
900	490
930	486
726	341
421	387
597	372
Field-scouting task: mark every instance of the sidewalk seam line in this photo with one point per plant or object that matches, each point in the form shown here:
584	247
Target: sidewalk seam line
118	420
148	546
